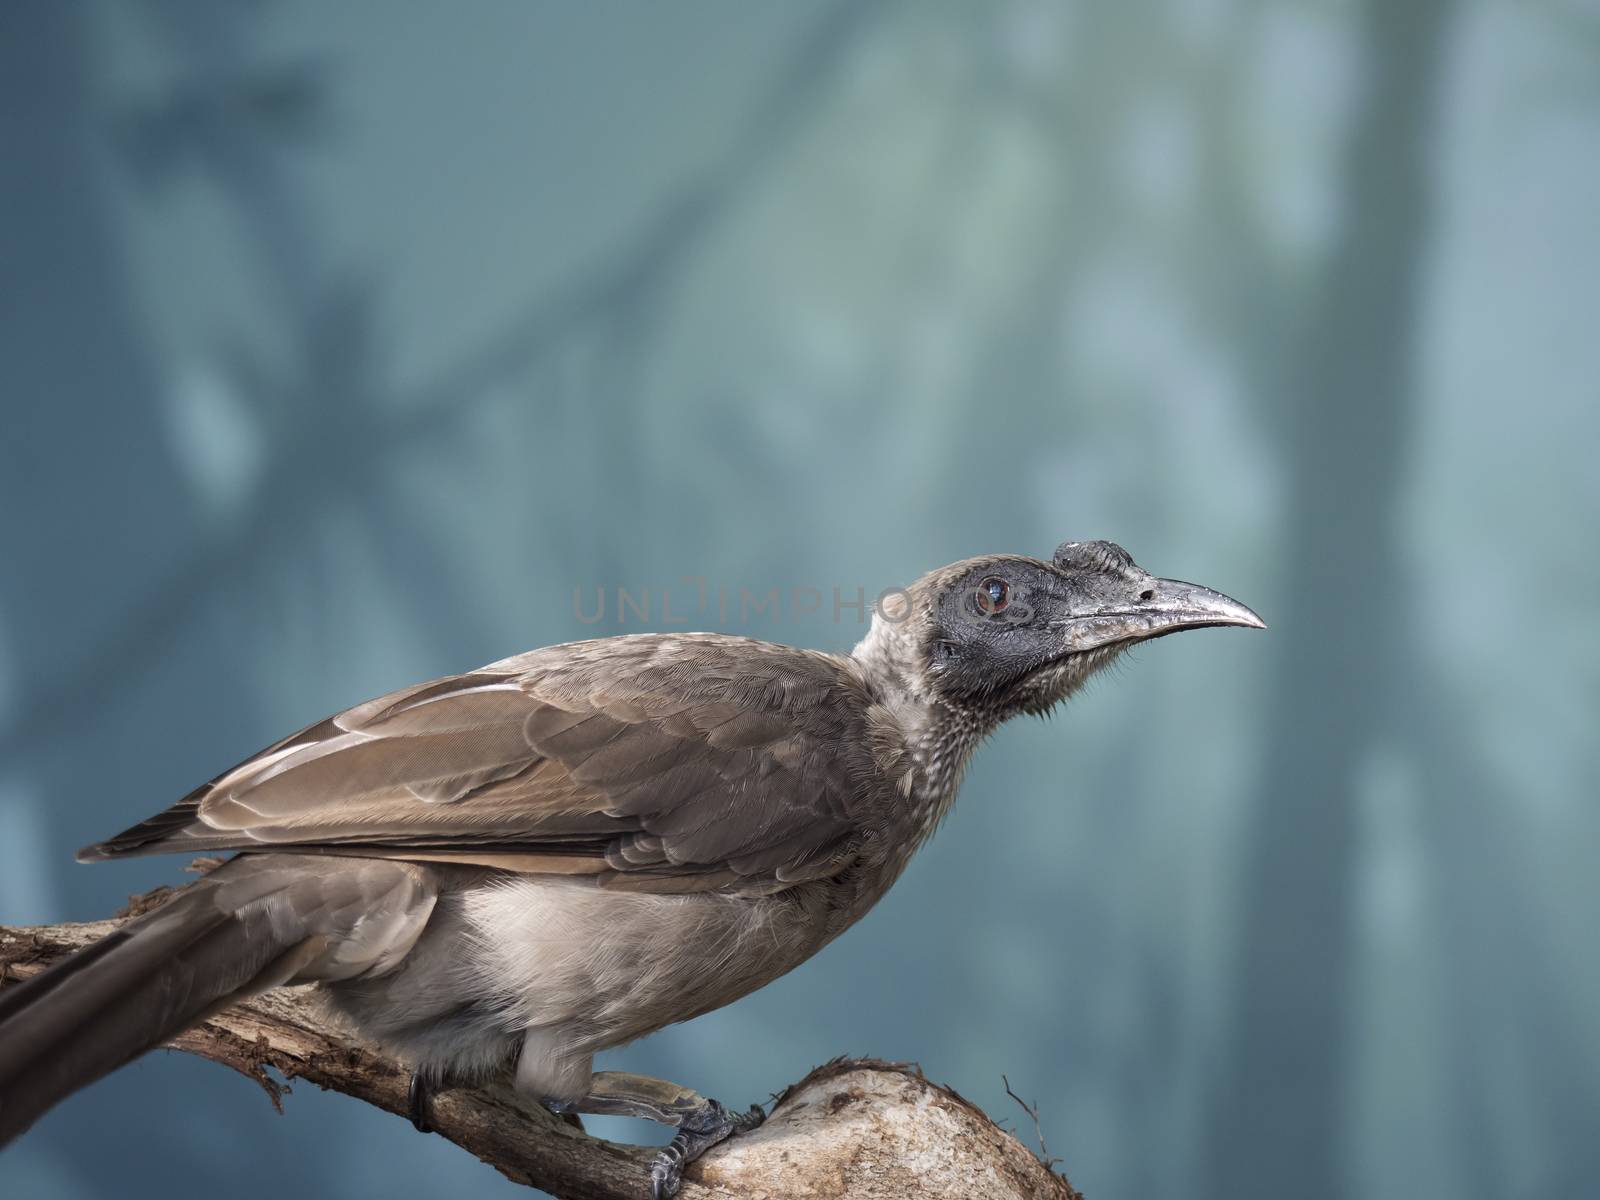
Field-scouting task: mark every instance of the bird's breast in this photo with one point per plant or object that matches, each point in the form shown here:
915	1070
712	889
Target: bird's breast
557	952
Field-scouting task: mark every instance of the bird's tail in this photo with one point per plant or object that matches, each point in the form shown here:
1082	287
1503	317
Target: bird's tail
223	938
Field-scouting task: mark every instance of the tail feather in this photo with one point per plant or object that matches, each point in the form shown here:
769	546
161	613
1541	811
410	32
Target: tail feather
127	993
255	922
17	997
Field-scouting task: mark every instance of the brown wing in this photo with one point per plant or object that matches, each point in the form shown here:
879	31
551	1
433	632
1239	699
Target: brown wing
678	762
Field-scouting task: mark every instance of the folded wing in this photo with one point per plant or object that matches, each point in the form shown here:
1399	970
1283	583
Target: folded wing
662	762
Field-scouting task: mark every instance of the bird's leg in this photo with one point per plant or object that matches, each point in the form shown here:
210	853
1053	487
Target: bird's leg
701	1121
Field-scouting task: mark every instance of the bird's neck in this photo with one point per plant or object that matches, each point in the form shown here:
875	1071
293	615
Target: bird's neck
935	739
887	658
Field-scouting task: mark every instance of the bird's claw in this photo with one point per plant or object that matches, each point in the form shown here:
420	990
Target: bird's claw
697	1132
566	1112
417	1104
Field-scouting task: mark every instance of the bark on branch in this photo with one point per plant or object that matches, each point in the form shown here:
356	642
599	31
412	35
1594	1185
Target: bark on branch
852	1128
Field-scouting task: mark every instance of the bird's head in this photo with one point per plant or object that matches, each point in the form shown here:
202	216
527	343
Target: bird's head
1006	634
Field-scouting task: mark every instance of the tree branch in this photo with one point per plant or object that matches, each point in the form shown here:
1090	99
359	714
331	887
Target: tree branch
851	1128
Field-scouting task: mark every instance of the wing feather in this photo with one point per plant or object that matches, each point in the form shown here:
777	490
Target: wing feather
666	762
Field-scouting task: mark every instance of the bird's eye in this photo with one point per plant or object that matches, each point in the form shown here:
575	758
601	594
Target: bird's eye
993	595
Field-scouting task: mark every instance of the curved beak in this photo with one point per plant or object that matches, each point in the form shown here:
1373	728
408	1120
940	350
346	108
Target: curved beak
1171	606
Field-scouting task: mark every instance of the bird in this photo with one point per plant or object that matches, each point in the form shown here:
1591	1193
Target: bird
495	875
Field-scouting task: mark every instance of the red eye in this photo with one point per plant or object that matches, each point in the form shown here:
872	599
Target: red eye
993	595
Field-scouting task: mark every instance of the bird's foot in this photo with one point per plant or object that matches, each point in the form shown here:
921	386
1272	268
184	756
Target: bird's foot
567	1111
700	1129
700	1123
418	1104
